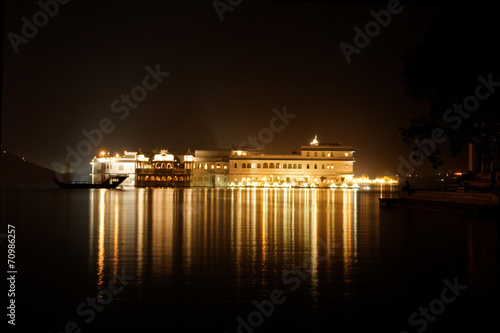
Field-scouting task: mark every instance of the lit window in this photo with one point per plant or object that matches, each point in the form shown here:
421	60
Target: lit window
346	154
218	166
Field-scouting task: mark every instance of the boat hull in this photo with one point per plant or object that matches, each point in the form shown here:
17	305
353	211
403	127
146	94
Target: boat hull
110	183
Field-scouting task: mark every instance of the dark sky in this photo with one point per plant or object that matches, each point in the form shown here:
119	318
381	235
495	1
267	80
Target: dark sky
225	77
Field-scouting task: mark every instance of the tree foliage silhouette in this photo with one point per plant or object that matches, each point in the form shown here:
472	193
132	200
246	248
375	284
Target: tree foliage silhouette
444	70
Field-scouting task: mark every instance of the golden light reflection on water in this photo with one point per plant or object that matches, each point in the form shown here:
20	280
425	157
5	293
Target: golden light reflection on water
250	234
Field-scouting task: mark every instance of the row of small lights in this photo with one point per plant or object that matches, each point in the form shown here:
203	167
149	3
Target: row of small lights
289	185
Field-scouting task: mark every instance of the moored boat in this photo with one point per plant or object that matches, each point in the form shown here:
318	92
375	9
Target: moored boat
110	183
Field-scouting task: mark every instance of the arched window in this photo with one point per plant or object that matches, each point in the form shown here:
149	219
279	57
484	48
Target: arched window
181	178
284	166
175	178
315	166
235	165
322	166
277	165
163	178
146	178
169	179
264	166
258	165
289	166
169	166
157	178
300	166
243	165
307	154
307	166
295	166
315	154
271	165
249	165
163	165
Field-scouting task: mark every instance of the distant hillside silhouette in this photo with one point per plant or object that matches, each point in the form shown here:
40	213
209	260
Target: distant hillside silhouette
14	168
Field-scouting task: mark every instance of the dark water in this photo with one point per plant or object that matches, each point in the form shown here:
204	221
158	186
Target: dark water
194	260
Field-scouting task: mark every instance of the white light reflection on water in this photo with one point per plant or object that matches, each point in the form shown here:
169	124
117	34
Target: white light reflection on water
253	234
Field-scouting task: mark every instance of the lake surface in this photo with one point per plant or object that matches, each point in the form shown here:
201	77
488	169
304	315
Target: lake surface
246	260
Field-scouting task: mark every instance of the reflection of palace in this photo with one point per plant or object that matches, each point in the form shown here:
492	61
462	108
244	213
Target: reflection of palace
177	232
314	165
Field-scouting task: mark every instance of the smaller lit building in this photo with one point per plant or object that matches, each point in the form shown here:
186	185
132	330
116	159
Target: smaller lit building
105	166
162	171
210	168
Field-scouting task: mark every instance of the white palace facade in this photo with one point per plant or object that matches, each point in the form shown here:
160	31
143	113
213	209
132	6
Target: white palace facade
314	165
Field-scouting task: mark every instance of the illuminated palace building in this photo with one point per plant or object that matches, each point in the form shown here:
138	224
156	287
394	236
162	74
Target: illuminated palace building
314	165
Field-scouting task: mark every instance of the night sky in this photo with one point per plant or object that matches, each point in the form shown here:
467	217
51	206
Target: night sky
225	78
